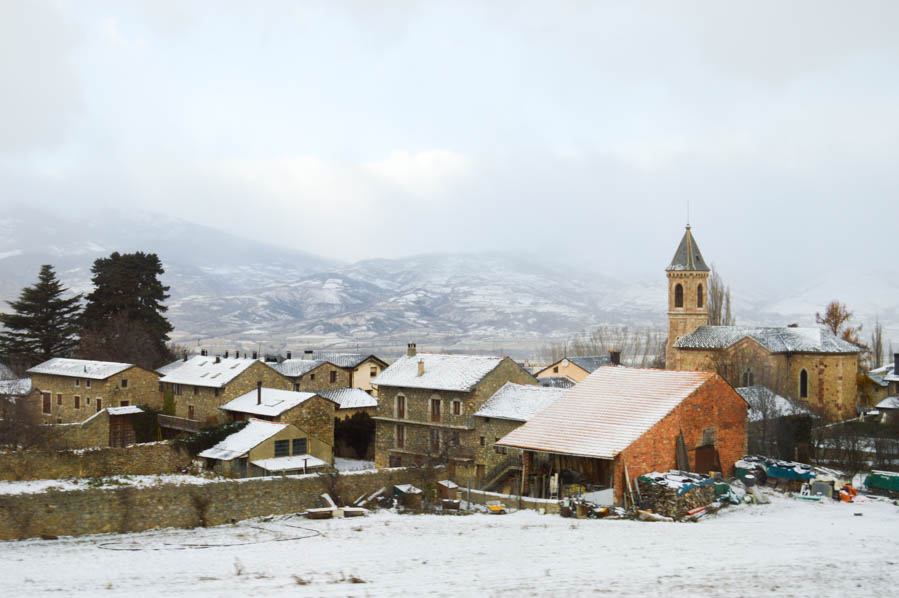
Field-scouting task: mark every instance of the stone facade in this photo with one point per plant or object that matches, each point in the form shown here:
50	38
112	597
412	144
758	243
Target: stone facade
76	399
713	413
691	314
327	376
455	435
129	509
202	403
496	460
141	459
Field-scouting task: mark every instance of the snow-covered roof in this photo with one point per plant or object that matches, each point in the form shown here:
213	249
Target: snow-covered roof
297	367
688	257
441	372
202	370
765	403
556	381
889	403
344	360
407	489
350	398
80	368
129	410
240	443
588	363
294	462
519	402
448	484
15	386
274	402
606	412
170	367
776	339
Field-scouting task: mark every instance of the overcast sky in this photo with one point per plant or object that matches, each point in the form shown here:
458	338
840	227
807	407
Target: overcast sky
362	129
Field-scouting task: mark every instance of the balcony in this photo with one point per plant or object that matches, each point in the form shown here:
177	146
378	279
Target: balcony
178	423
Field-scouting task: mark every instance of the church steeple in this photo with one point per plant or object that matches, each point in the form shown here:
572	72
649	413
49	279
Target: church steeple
687	294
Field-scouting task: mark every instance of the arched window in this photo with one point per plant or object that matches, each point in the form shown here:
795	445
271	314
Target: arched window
748	378
803	384
678	295
699	296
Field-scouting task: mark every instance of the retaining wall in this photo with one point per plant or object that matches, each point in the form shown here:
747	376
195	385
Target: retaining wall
481	497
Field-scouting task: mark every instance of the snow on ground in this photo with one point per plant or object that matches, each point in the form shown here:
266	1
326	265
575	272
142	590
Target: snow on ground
787	548
343	465
106	483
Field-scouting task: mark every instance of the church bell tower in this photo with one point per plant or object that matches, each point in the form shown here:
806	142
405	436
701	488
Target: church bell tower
688	309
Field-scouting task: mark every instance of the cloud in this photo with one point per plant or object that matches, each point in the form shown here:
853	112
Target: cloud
423	174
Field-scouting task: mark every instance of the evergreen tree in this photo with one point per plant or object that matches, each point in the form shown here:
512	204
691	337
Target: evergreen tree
127	296
43	323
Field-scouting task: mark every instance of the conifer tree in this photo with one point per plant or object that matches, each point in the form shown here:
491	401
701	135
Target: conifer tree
43	324
126	305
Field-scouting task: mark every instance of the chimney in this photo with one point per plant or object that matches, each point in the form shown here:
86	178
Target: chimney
307	353
203	352
615	357
259	393
218	359
288	355
410	350
226	355
421	367
185	356
255	355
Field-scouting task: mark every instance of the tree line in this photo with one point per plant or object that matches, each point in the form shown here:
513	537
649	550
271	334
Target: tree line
122	319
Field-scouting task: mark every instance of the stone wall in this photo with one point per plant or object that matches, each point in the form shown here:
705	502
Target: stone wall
136	509
139	459
510	500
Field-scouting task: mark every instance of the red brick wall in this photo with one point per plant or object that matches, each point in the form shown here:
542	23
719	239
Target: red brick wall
714	405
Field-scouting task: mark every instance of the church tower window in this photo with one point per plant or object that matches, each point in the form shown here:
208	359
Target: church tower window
699	297
748	377
678	295
803	384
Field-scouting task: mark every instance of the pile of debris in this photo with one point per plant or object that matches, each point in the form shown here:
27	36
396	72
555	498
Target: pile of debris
676	494
774	473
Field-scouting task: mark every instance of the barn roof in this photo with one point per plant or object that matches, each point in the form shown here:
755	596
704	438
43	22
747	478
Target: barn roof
238	444
274	402
606	412
519	402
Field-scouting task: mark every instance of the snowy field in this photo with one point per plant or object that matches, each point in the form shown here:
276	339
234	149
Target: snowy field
787	548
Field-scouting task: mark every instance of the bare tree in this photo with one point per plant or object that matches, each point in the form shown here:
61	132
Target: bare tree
720	313
877	345
836	319
640	347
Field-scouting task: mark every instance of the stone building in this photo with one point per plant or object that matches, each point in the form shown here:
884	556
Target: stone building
576	368
74	389
309	412
201	384
808	364
361	368
623	422
262	448
512	405
313	374
351	401
426	407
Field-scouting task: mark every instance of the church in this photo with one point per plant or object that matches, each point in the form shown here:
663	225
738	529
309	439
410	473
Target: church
808	364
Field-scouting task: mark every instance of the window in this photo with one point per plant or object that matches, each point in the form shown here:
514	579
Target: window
457	407
282	448
87	384
556	370
59	420
299	446
396	461
124	403
296	387
47	402
58	400
699	296
400	436
216	392
196	390
483	441
87	400
499	450
312	377
77	402
99	404
161	387
77	382
803	384
400	407
435	439
333	375
190	412
124	383
435	410
176	389
374	372
678	295
748	377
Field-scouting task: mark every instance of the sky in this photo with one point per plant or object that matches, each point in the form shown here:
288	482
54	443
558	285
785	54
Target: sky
579	130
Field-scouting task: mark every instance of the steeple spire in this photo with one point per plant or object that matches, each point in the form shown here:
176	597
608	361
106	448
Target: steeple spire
687	257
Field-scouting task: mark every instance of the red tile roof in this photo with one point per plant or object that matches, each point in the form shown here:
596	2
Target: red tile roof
606	412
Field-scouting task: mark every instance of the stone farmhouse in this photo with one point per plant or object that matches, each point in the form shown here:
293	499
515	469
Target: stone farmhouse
426	407
200	385
313	374
74	389
512	405
576	368
809	364
351	401
622	422
309	412
263	448
362	368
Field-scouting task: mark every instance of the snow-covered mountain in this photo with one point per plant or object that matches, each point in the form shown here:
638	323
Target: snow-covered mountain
228	288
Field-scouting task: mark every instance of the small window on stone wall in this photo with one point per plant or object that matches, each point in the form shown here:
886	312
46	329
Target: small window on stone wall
803	384
333	375
699	296
678	295
77	402
124	383
87	383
